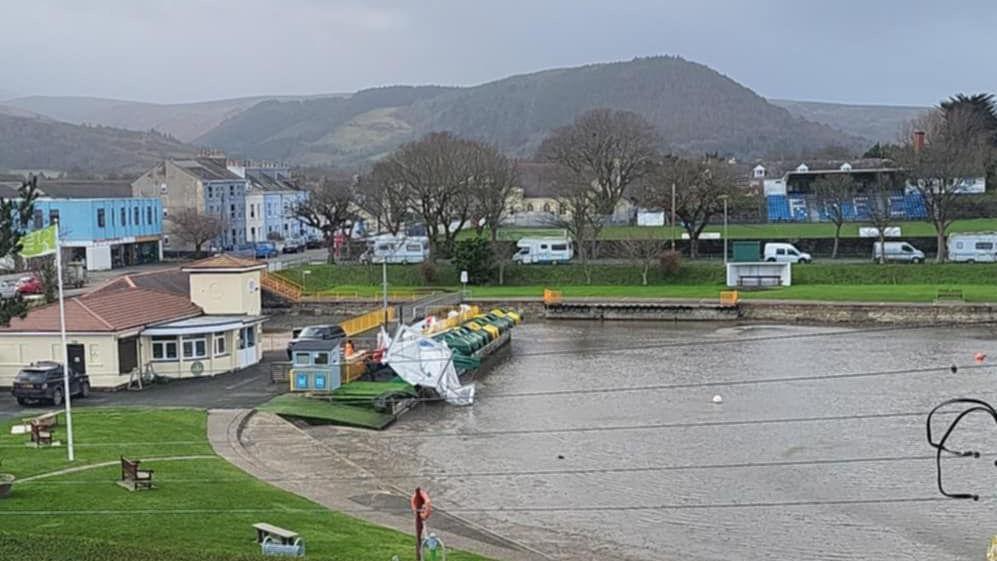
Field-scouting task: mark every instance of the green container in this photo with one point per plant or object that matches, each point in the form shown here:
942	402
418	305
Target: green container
747	252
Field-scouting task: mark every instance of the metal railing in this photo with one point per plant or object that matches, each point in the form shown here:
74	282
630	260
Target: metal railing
282	286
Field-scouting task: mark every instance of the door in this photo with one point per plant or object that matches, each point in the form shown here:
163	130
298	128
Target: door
77	360
127	355
246	347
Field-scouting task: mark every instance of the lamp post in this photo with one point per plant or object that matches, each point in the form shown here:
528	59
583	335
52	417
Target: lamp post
673	216
724	199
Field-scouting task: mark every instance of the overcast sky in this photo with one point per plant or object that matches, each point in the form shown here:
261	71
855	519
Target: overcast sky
870	51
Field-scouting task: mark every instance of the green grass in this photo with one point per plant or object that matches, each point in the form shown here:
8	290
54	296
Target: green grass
322	411
757	231
66	511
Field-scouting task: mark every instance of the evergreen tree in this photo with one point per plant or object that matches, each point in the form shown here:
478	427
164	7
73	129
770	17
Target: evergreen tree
15	214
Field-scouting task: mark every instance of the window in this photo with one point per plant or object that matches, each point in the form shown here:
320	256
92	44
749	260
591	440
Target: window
529	207
958	245
559	247
302	359
984	245
135	216
780	252
124	216
252	211
101	219
414	247
231	190
321	358
38	218
547	207
148	215
251	336
164	348
543	246
195	348
220	346
53	216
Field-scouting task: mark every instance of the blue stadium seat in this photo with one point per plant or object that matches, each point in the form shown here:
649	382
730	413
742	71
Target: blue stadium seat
778	208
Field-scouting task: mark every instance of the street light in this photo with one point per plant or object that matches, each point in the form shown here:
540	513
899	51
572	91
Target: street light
724	199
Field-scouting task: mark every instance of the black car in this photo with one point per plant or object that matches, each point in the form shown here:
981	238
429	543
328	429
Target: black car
313	332
42	381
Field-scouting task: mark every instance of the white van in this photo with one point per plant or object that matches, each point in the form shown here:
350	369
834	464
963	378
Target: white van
785	253
543	250
401	249
897	251
973	248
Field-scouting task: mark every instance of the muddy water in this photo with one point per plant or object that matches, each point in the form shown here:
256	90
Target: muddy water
699	522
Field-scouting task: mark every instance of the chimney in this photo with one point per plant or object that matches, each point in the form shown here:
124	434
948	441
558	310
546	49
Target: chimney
918	141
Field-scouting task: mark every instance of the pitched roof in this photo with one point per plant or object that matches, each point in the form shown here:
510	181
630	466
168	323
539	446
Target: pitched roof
108	312
85	189
207	169
265	182
174	281
224	261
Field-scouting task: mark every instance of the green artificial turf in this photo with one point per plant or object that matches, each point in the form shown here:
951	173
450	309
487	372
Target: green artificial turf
323	411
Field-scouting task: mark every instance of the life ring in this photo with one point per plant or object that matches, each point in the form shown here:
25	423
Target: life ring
421	504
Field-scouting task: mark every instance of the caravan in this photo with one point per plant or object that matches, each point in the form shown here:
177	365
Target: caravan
400	249
973	248
543	250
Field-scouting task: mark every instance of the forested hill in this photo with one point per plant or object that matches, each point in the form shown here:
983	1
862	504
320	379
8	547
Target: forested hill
37	143
695	108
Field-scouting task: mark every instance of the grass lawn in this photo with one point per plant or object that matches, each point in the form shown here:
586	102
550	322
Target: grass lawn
830	292
323	411
201	509
758	231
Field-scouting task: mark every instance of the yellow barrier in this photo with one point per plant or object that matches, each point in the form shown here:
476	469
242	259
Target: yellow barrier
367	321
552	296
281	286
729	298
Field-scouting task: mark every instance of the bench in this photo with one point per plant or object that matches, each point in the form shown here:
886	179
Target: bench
132	477
41	434
47	420
275	540
949	294
758	281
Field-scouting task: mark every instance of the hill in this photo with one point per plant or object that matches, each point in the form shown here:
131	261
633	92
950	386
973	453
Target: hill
37	143
185	121
695	108
878	123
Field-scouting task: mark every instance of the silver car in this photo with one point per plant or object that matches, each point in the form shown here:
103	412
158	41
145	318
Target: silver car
8	289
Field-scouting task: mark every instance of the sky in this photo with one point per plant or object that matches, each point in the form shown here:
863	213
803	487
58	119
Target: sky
908	52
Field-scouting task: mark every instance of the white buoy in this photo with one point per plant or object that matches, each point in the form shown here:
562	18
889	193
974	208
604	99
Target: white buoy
717	399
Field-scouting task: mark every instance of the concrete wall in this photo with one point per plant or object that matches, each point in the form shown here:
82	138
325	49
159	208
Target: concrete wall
227	293
18	350
867	313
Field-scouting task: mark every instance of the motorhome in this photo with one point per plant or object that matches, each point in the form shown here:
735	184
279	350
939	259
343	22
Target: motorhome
397	249
785	253
973	248
543	250
897	251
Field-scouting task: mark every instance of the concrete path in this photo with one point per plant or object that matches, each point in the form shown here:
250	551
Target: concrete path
273	450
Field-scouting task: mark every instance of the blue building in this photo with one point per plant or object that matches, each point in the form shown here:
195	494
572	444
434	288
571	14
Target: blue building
271	202
105	233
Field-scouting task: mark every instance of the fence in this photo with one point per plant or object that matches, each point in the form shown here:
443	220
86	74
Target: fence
281	286
368	321
425	305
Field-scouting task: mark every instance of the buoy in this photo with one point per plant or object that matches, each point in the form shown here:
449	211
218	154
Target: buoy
980	357
718	399
954	368
560	456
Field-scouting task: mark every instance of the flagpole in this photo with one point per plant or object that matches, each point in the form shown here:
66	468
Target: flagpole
65	348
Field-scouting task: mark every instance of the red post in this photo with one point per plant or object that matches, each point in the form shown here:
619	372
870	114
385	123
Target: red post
422	508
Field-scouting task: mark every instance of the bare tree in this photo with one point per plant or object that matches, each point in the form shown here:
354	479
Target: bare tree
960	145
700	188
577	216
384	200
833	193
503	252
605	150
879	194
495	177
195	228
643	252
330	209
437	174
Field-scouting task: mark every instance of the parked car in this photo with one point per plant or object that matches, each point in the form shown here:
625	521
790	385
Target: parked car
294	245
30	285
786	253
8	289
897	251
314	332
314	242
42	381
543	250
973	248
257	250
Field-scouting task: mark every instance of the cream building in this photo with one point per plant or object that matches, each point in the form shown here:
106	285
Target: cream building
201	320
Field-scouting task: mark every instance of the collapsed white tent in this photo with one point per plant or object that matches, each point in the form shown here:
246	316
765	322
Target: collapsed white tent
421	361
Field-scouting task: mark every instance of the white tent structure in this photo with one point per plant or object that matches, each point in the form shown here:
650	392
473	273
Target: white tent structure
421	361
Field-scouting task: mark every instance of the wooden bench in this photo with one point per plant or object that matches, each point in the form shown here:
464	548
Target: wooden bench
758	281
41	435
278	541
132	477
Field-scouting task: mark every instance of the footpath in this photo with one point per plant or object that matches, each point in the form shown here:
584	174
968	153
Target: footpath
277	452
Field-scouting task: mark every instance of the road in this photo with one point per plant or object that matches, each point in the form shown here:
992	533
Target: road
243	389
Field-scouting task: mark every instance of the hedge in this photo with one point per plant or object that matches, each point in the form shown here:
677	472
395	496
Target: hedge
325	277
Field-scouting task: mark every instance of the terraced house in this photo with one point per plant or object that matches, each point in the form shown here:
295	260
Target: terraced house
205	184
270	202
